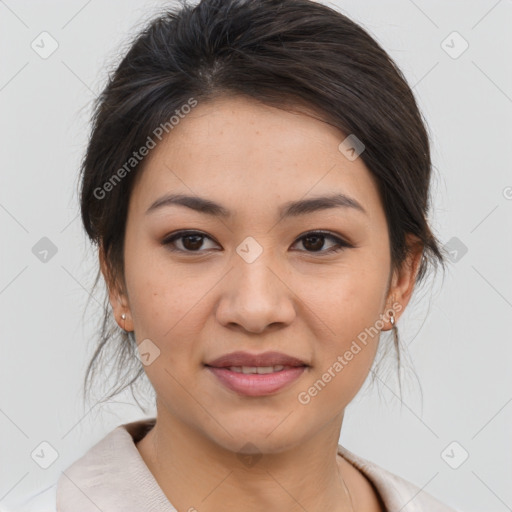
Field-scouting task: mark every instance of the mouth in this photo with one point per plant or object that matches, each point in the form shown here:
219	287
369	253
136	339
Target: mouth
241	359
256	374
257	380
251	370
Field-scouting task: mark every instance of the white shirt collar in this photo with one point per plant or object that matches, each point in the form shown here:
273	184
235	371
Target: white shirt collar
113	477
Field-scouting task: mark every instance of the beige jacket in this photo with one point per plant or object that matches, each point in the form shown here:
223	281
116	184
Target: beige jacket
112	477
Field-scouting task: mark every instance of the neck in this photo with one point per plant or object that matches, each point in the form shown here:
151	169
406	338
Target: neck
197	474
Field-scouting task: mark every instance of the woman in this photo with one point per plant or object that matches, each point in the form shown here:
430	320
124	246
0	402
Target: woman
257	183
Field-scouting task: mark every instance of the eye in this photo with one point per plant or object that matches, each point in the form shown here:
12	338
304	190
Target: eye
315	241
192	241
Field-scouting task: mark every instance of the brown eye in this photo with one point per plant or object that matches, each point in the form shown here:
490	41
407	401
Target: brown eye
315	240
191	241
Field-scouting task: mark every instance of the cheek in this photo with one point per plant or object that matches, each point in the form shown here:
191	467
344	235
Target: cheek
159	294
349	308
165	302
349	300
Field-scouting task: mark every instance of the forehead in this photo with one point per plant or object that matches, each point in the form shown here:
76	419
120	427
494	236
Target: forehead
245	153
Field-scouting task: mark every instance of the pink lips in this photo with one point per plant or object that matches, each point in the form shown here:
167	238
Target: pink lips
256	384
247	359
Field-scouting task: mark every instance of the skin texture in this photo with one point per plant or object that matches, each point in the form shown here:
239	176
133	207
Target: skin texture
294	298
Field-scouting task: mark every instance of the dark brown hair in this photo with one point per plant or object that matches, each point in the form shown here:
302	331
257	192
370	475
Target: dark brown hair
283	53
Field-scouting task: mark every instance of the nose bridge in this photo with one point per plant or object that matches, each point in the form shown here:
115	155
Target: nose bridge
254	279
256	276
255	295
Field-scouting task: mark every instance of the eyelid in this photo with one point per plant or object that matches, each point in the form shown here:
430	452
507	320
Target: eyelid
341	242
182	233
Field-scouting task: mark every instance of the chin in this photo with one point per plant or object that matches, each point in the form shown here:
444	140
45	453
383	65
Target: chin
250	436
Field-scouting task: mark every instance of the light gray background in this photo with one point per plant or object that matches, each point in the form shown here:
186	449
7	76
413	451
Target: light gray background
458	333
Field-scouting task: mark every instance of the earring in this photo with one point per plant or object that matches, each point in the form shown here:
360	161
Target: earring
394	328
123	316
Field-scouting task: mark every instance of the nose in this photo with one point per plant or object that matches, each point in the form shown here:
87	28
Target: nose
255	297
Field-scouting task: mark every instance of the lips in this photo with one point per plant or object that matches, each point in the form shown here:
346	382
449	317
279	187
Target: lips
266	359
257	375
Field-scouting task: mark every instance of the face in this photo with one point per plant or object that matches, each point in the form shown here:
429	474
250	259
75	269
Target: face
252	280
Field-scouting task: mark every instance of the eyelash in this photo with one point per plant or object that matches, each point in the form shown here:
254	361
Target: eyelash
340	243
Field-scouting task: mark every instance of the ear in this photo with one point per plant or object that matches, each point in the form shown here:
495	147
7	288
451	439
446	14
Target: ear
117	295
404	279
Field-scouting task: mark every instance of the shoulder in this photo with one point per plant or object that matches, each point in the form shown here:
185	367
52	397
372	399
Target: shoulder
44	500
396	492
111	453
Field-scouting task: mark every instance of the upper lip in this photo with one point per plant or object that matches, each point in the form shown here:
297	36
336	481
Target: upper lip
241	358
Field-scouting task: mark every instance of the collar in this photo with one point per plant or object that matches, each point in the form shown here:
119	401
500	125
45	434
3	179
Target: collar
112	476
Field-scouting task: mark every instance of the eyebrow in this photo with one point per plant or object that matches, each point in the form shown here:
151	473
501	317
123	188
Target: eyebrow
289	209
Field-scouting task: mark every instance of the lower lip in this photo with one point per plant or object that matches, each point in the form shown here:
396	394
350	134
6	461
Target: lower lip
255	384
